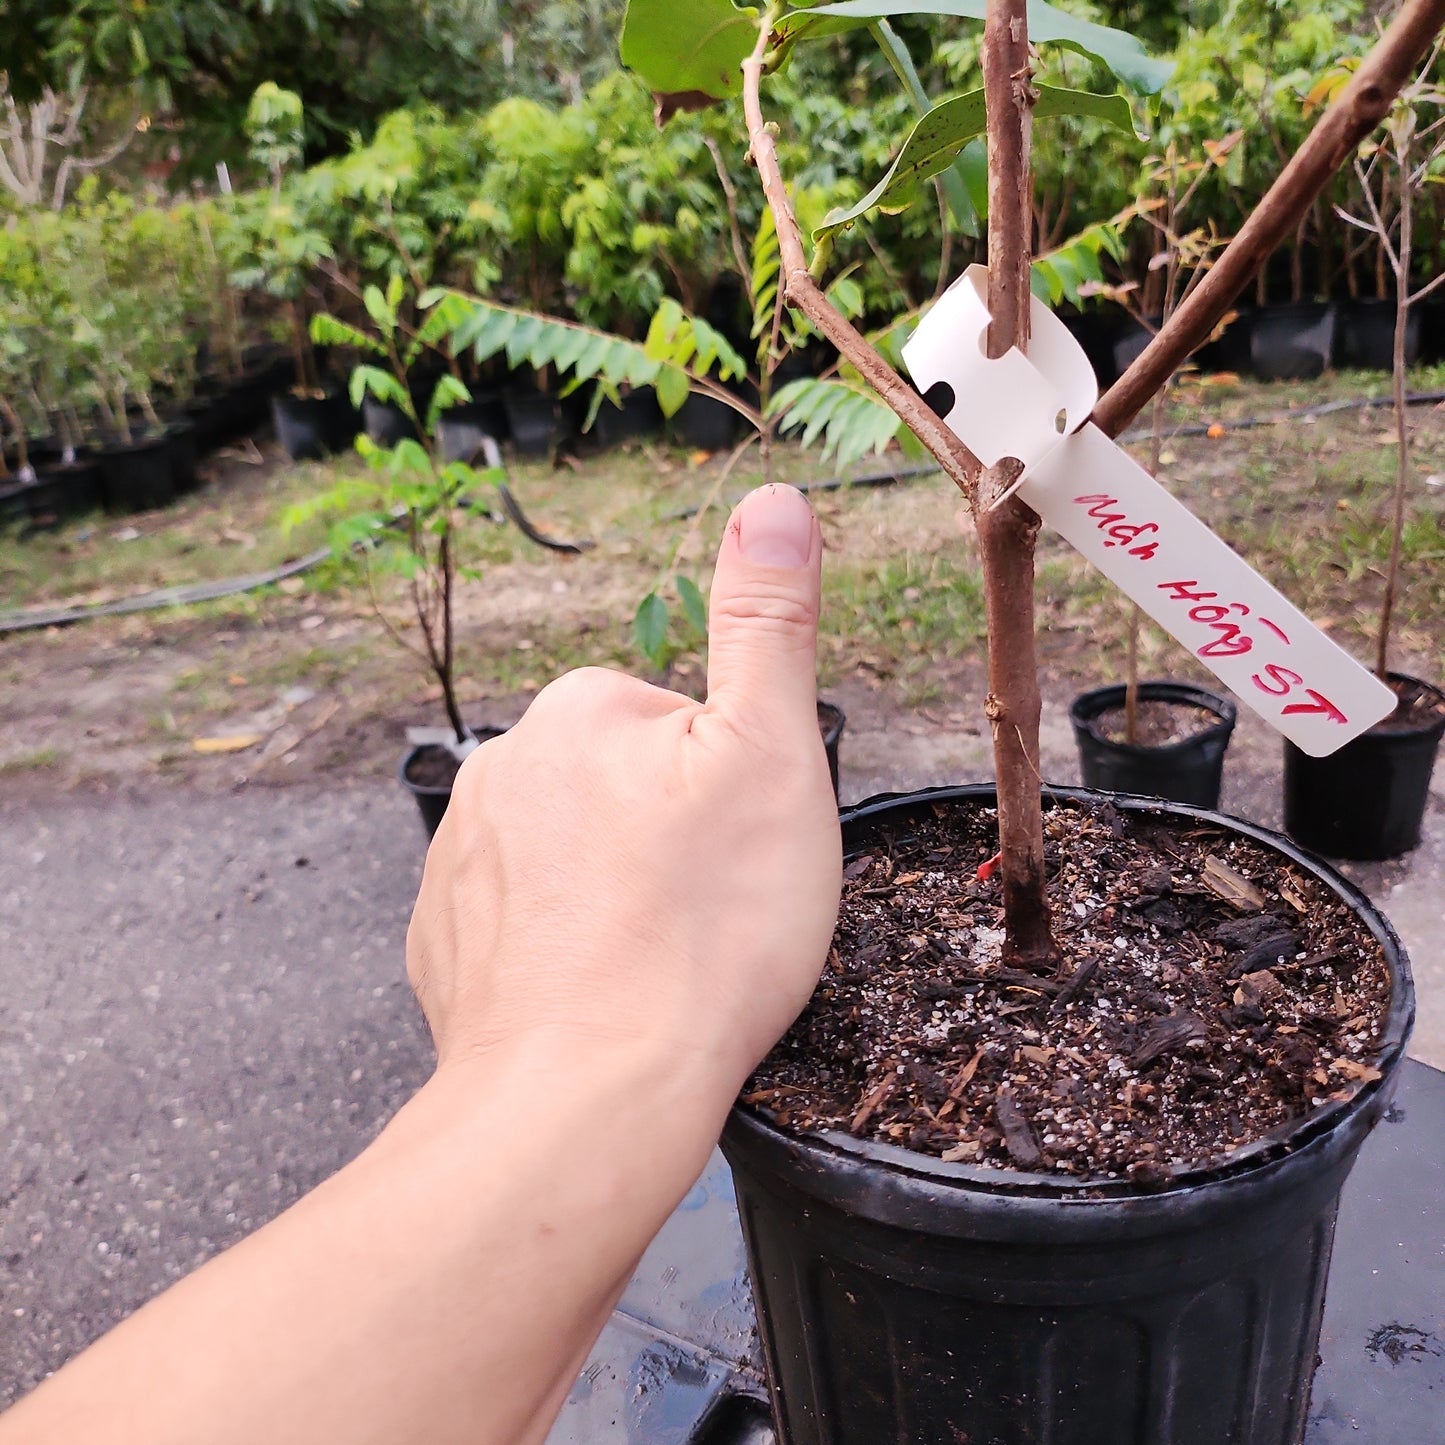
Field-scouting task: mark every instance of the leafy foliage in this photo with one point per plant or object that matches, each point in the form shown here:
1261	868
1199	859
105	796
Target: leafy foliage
404	510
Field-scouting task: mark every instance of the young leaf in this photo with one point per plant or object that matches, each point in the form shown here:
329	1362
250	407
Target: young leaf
694	609
1122	53
328	331
649	629
937	139
698	46
381	384
851	419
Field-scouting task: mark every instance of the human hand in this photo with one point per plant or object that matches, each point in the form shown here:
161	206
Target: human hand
628	871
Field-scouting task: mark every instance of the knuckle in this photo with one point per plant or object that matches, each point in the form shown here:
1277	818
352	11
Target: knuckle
783	614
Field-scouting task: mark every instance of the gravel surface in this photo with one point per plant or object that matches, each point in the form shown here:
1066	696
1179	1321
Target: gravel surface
205	1014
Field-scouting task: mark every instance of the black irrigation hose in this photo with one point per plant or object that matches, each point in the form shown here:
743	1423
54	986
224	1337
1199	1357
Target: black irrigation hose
29	619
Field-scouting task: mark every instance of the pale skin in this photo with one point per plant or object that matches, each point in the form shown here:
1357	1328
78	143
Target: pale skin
629	900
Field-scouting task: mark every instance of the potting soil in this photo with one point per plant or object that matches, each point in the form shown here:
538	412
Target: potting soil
1160	724
1210	993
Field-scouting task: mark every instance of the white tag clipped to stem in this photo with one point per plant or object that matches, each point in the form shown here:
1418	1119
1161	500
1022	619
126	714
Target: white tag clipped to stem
1091	492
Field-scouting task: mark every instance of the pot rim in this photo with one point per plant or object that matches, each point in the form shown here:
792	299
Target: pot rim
1085	709
482	735
1290	1140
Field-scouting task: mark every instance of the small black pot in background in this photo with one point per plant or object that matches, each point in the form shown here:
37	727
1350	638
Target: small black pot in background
1365	336
1367	800
460	429
302	425
432	798
385	422
903	1298
1292	342
830	723
638	417
312	427
56	495
706	424
532	422
143	476
1190	771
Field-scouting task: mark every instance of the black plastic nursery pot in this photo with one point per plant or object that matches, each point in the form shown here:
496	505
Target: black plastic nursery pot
706	424
638	417
901	1298
142	477
385	422
1367	800
312	427
64	492
1365	337
460	429
1189	771
1292	342
432	799
532	422
831	719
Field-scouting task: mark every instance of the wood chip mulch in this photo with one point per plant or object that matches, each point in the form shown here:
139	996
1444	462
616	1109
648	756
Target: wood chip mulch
1210	993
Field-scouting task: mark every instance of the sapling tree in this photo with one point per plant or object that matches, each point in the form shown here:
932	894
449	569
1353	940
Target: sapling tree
1390	171
404	511
285	248
712	49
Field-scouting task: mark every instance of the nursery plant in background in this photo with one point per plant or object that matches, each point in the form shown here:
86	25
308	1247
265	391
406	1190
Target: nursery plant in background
880	1271
285	250
404	511
1161	739
1368	800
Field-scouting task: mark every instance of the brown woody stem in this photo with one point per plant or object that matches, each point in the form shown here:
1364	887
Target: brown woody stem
1361	106
801	291
1007	533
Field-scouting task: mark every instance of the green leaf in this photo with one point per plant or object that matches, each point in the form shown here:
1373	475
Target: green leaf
672	389
378	310
1122	53
450	391
694	609
328	331
381	384
936	141
851	419
649	629
408	455
698	45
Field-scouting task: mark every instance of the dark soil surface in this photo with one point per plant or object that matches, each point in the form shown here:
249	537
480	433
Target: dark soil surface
1210	994
1160	724
1420	707
433	766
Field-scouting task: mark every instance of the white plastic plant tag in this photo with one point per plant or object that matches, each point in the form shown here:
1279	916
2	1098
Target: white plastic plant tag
1146	542
1011	406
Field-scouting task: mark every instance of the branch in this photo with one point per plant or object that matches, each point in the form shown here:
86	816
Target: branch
1359	109
803	292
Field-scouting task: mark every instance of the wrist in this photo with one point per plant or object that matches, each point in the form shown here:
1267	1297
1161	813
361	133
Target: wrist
629	1105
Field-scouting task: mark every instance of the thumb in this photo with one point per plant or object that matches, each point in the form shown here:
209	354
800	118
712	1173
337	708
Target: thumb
763	622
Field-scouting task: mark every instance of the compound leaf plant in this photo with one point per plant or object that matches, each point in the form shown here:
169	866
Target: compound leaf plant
402	513
714	51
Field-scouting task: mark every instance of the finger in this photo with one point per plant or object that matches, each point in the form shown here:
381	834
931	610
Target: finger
763	612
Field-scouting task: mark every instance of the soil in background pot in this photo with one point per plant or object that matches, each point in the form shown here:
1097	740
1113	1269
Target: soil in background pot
1179	750
1160	724
1212	994
428	772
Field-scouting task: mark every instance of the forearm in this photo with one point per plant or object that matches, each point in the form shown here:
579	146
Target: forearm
445	1286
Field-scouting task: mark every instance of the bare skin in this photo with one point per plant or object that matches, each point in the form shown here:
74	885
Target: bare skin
630	899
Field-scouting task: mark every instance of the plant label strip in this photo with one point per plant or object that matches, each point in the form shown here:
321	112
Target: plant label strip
1096	496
